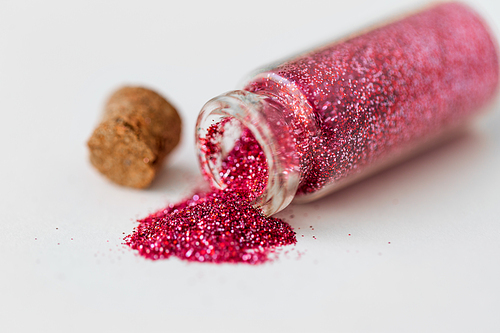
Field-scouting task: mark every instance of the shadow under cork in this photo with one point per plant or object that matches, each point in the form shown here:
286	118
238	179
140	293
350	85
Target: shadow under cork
177	177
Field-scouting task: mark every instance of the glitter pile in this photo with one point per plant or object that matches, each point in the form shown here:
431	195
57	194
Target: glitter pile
220	226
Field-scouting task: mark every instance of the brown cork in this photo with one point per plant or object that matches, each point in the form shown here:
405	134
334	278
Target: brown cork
138	130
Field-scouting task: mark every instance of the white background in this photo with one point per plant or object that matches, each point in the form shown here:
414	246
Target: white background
62	265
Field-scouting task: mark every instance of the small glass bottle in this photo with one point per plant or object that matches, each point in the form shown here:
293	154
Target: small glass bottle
334	115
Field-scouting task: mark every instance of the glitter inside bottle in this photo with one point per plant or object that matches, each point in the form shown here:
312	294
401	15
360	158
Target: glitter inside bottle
339	113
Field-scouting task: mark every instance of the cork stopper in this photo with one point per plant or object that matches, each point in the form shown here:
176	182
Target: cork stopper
138	130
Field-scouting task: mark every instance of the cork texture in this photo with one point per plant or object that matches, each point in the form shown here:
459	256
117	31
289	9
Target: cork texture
138	130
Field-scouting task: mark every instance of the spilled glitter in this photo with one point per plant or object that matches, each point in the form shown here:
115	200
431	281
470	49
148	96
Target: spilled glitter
220	226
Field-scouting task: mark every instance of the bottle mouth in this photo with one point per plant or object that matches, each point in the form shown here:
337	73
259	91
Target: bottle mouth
221	124
227	144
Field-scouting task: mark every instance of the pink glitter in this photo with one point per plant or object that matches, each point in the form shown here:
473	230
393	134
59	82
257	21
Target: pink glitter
220	226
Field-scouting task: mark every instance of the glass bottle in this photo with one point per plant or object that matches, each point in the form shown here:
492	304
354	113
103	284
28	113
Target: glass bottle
336	114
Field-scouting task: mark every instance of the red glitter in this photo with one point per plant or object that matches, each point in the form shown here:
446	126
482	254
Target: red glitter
220	226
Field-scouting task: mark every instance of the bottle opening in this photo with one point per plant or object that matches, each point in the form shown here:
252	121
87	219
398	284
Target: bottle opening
233	158
216	144
247	126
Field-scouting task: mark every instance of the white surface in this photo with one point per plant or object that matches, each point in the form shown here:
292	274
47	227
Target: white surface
63	268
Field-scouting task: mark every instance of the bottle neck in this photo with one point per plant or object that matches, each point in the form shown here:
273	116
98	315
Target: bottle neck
273	123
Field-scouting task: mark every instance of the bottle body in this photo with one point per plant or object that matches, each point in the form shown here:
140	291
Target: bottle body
353	107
